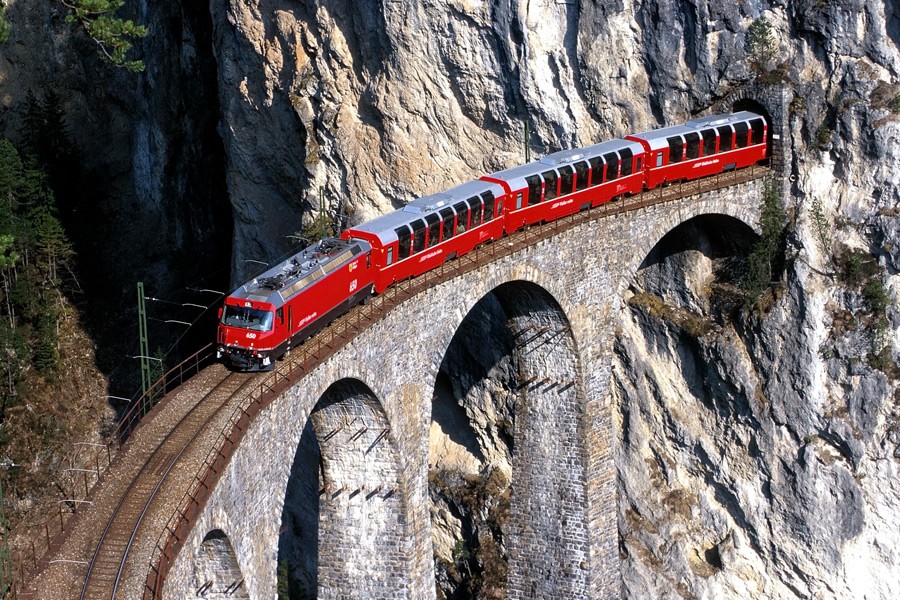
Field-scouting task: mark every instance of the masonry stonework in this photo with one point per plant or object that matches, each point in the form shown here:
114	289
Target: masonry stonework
377	541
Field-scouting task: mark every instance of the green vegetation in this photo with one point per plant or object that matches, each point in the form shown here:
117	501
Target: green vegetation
289	588
767	256
860	271
694	325
33	249
821	226
887	96
761	44
479	562
4	25
856	268
35	256
113	35
321	226
762	52
823	136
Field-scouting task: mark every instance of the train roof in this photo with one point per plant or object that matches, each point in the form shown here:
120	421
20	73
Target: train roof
657	138
515	176
290	277
383	227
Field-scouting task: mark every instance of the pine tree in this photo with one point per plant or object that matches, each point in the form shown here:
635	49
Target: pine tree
112	35
767	253
761	46
13	360
10	176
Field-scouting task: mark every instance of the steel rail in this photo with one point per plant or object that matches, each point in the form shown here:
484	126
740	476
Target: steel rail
172	435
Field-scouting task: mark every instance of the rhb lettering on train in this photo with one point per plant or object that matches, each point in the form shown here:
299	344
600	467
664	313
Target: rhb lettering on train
431	254
258	321
306	319
706	163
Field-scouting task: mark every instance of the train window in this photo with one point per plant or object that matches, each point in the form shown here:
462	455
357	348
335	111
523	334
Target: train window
725	138
551	180
279	314
534	189
692	147
390	258
596	171
519	199
675	149
740	134
612	166
462	216
403	241
659	159
447	223
627	162
488	198
581	176
565	180
640	164
475	206
434	229
758	128
709	141
418	235
247	318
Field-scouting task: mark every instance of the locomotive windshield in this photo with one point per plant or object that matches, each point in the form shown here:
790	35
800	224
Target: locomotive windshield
247	318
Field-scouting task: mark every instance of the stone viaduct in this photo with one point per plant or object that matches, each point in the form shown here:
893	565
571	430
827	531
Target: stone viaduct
363	416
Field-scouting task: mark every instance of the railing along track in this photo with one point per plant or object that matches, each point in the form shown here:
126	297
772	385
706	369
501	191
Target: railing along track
322	346
104	571
58	527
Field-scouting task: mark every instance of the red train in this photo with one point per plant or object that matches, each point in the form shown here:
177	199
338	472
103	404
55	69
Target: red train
288	303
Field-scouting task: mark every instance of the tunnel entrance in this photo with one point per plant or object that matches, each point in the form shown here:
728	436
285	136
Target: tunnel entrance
506	452
342	530
759	108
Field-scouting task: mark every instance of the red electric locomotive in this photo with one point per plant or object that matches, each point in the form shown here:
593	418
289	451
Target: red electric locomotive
265	317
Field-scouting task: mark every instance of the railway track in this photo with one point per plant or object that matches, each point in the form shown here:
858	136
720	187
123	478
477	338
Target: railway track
106	566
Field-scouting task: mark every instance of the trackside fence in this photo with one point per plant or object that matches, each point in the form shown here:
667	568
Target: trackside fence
47	538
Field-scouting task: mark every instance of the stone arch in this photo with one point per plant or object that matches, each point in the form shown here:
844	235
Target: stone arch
772	101
217	574
343	530
703	249
508	408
